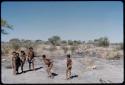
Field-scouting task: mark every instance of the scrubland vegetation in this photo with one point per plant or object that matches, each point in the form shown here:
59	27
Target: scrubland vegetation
56	46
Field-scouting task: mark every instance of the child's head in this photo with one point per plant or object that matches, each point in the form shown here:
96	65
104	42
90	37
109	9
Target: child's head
68	56
13	53
44	56
30	48
22	52
17	54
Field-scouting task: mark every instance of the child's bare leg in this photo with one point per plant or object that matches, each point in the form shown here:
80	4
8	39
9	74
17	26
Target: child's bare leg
47	70
33	65
67	74
22	67
29	66
14	71
50	67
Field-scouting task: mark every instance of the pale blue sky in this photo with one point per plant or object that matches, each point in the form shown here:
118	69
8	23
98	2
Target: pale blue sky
82	20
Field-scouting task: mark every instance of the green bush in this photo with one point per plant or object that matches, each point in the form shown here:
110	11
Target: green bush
55	40
103	41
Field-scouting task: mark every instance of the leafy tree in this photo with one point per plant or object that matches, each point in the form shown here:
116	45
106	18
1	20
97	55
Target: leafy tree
64	42
70	42
4	25
121	46
54	40
15	43
27	43
38	42
102	41
77	42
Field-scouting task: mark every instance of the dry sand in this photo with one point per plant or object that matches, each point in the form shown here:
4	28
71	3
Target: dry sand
104	71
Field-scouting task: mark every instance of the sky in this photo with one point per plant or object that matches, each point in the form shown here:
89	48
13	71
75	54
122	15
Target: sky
78	20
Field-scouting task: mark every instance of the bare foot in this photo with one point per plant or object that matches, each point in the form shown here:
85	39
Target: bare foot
49	76
67	78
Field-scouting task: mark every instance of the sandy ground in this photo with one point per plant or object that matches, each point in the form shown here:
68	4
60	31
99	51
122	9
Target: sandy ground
107	71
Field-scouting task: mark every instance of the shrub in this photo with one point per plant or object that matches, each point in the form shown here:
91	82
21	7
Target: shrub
54	40
73	48
52	48
65	49
113	55
103	41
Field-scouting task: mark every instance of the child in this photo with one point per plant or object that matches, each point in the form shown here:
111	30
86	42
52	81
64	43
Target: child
23	59
14	62
49	64
69	67
31	58
18	62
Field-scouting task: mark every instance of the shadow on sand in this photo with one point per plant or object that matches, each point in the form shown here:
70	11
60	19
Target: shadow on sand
30	70
54	74
74	76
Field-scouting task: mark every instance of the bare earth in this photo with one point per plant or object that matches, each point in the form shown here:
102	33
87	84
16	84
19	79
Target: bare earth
106	71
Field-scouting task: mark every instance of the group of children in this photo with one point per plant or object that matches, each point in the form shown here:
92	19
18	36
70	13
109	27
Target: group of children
20	59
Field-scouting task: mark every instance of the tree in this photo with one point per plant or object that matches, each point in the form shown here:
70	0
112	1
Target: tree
70	42
15	43
121	45
64	42
77	42
102	41
14	40
4	24
27	43
54	40
90	42
38	42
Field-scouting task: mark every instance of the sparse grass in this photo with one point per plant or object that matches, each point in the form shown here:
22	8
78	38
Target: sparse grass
113	55
49	49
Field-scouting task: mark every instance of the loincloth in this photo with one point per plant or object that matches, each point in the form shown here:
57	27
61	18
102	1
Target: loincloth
30	60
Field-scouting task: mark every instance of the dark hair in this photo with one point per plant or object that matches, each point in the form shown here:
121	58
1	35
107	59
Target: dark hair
68	56
30	48
22	52
44	56
13	52
17	54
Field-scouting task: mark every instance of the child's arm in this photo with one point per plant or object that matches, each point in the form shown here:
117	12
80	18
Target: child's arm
12	62
70	65
27	54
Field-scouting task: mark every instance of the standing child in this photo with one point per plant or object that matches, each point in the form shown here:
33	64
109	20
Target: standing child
23	59
18	62
14	62
31	58
69	67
